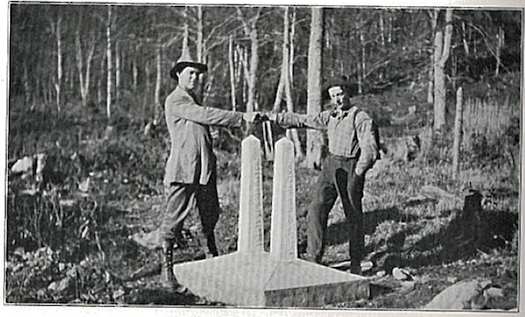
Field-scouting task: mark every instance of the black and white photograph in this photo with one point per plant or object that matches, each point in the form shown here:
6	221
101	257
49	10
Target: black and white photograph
272	157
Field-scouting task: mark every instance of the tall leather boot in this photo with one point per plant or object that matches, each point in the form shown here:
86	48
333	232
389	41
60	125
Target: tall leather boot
167	278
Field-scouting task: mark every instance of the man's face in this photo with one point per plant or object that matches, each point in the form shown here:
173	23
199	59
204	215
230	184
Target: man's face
339	97
188	78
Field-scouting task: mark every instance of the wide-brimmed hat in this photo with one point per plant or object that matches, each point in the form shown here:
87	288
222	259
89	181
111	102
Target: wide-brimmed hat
184	61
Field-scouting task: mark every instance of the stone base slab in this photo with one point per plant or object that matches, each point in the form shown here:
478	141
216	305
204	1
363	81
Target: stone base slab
260	280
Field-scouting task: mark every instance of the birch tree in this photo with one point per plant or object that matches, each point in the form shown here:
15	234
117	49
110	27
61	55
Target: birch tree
250	29
231	67
314	139
56	29
430	91
442	43
285	84
109	92
84	61
158	81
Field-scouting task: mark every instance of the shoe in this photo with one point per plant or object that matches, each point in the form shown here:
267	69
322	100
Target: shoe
167	278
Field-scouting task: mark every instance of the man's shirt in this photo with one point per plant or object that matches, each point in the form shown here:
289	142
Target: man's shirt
351	133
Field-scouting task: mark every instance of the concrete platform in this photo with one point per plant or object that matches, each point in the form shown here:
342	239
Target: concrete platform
260	280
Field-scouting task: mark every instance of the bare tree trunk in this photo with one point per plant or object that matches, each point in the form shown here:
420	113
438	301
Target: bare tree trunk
254	65
27	90
99	82
383	42
70	79
200	34
314	138
454	72
39	91
135	70
285	85
87	80
245	84
238	69
390	29
442	50
209	82
251	30
109	91
464	39
186	30
117	71
279	93
299	154
80	66
158	80
458	128
200	47
439	83
243	73
232	72
58	84
363	60
84	75
501	41
359	77
292	45
430	91
56	27
147	89
49	93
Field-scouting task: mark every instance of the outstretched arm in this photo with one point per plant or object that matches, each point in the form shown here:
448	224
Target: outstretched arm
185	107
317	121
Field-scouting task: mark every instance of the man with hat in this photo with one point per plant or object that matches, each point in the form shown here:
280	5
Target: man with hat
190	175
353	149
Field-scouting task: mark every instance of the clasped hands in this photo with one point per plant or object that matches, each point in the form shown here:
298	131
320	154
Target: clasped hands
257	117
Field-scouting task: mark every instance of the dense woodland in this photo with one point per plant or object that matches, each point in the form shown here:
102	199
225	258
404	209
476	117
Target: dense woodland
87	85
116	58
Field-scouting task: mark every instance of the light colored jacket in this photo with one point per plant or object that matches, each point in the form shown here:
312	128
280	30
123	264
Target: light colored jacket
191	159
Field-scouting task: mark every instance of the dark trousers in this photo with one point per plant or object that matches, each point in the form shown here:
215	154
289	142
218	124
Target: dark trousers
182	199
337	178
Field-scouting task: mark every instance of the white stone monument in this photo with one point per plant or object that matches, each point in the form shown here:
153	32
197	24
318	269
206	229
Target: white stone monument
252	277
283	240
251	229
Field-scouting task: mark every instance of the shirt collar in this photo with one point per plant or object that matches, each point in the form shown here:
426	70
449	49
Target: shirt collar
189	93
341	114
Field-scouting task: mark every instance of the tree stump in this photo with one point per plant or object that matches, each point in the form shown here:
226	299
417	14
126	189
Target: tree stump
470	218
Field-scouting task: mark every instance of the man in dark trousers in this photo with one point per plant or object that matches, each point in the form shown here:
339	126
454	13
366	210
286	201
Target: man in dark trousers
353	149
190	175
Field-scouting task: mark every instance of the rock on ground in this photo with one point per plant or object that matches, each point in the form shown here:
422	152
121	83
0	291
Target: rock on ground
474	294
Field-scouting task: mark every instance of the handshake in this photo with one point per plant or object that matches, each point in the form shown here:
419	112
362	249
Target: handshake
257	117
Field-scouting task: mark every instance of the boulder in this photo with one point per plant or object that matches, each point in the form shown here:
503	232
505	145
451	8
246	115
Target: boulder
470	294
23	166
30	166
61	285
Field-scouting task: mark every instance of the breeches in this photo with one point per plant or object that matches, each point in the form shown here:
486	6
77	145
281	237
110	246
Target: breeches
182	199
